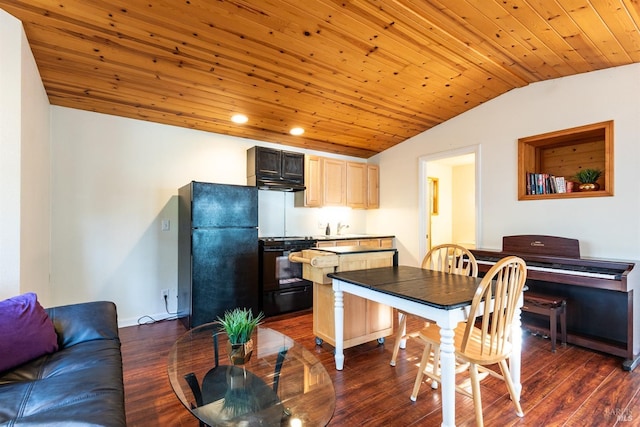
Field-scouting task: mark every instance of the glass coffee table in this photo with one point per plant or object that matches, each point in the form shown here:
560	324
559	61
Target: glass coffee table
283	384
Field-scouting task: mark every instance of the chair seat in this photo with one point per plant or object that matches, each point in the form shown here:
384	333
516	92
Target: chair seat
473	353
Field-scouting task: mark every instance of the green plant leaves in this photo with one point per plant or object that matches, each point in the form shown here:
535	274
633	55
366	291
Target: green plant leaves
239	324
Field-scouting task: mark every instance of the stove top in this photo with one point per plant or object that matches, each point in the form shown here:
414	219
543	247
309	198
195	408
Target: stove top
285	238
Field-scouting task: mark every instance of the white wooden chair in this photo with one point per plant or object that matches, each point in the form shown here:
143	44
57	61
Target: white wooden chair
449	258
488	344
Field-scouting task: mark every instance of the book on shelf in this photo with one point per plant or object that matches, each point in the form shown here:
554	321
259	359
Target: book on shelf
544	183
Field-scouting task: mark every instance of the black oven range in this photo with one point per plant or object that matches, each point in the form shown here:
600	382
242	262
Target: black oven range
282	287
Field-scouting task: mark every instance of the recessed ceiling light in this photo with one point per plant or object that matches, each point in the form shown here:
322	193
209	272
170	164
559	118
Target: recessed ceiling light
296	131
239	118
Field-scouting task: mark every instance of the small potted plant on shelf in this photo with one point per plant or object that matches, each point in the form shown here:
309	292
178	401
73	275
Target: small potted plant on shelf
587	179
239	324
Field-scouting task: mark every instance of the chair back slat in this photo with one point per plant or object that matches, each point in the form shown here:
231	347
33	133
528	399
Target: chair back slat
451	258
501	287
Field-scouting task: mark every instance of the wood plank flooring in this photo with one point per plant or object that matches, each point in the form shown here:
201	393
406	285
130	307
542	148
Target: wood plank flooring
573	387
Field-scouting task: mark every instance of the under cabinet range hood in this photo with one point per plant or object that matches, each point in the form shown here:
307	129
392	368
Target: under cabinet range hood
278	170
264	184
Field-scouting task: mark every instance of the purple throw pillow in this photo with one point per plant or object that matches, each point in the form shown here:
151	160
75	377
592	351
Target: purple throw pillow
26	331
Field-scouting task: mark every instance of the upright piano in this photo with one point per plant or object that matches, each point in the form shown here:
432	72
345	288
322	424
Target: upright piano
603	296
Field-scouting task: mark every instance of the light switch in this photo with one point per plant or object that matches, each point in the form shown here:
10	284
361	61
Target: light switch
166	225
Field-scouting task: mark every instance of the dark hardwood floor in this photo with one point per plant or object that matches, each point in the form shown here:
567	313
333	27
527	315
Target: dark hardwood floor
573	387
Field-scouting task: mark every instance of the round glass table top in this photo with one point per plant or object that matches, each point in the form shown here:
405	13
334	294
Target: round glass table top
282	384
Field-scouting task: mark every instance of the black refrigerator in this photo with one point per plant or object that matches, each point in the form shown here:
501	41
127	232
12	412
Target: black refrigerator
217	251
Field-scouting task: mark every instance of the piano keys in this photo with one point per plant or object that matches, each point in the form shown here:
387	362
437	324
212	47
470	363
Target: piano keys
603	296
557	268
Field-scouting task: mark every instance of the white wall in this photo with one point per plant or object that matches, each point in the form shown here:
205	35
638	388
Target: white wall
25	166
607	227
114	181
35	230
278	217
10	42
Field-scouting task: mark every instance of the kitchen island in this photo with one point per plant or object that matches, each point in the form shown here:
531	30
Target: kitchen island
365	320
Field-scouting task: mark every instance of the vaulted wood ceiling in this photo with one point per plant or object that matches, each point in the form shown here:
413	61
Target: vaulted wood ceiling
359	76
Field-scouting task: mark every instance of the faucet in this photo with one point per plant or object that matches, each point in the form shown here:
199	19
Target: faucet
340	227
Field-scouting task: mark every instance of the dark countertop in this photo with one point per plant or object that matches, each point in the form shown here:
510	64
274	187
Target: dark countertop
353	236
342	250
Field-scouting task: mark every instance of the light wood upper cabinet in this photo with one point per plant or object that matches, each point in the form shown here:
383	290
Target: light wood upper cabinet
373	186
334	183
312	196
357	185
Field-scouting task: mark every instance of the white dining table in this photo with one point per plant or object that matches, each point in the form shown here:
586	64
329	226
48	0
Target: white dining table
441	297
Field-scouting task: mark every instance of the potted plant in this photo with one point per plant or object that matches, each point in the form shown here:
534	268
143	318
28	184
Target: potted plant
239	324
587	179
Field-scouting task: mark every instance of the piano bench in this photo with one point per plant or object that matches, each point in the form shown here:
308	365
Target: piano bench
552	306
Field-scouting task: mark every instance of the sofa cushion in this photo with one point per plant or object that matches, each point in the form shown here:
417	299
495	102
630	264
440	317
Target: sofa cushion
77	323
76	386
26	330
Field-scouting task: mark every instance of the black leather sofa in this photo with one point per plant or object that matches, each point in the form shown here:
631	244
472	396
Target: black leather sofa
81	384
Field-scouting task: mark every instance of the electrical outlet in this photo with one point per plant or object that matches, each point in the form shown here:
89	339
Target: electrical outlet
164	294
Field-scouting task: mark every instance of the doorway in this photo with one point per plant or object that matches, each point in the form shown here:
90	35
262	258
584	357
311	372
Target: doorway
449	198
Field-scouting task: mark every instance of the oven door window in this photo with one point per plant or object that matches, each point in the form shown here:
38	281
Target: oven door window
288	274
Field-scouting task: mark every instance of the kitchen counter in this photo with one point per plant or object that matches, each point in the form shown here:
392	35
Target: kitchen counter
343	250
353	236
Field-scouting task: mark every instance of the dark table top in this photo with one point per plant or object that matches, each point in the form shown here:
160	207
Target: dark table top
434	288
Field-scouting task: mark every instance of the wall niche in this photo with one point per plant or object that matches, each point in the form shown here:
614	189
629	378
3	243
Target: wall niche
562	154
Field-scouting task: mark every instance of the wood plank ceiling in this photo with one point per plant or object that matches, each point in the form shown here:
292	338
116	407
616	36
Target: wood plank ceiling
359	76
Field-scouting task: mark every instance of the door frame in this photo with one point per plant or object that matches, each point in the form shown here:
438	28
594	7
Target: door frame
423	192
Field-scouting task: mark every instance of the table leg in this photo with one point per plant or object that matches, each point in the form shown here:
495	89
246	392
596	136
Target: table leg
516	356
339	325
403	341
448	376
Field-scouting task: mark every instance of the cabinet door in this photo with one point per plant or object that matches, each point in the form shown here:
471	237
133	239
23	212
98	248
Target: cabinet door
357	185
312	196
386	243
373	186
268	162
293	166
374	243
380	318
334	184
